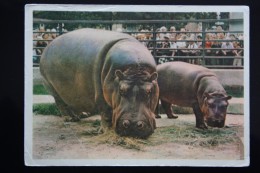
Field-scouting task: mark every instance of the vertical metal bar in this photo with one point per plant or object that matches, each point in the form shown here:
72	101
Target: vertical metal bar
203	43
154	44
60	28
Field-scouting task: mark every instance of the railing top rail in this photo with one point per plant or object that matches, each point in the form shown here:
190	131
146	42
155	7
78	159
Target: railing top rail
151	40
35	20
143	32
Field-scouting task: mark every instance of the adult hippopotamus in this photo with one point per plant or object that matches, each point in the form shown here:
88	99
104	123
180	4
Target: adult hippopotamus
193	86
91	70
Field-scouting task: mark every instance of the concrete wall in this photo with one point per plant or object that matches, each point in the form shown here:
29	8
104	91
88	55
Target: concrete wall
37	77
230	77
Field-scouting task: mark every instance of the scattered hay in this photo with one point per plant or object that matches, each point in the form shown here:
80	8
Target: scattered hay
92	127
111	138
185	134
195	137
90	132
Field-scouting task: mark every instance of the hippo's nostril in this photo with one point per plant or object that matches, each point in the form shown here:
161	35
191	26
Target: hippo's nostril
140	124
126	123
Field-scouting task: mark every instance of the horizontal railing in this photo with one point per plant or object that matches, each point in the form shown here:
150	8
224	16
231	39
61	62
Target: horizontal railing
41	21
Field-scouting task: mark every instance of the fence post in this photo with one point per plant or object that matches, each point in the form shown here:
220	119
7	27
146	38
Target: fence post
203	62
154	44
60	28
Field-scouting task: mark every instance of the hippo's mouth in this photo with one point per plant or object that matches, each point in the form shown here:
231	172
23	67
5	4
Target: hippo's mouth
215	123
138	129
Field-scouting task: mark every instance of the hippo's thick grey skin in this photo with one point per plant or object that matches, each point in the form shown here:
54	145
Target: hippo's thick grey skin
193	86
95	70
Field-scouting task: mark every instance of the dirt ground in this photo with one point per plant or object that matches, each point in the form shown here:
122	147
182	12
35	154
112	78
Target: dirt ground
53	138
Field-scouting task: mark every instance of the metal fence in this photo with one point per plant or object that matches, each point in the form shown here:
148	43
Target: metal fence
208	57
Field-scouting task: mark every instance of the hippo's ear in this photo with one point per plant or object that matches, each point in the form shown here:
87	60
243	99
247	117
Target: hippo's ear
119	74
153	76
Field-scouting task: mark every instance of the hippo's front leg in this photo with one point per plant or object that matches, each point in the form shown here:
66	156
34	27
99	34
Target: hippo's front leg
106	121
200	123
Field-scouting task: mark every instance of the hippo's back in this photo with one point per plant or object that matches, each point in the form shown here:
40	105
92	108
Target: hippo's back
79	46
71	62
178	82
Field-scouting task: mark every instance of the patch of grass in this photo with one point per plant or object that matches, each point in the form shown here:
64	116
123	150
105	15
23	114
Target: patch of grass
182	110
96	123
235	91
40	90
189	135
46	109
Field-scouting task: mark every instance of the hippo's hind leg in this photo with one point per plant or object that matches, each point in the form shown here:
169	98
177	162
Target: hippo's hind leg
62	106
157	111
65	110
200	123
168	109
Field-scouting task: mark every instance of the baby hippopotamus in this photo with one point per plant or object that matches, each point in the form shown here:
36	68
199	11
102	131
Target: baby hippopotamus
189	85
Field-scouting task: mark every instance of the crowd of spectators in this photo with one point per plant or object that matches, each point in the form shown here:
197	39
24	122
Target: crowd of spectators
218	47
41	38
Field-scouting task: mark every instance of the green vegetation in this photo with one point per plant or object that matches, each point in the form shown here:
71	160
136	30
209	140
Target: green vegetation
46	109
40	90
182	110
235	91
96	123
